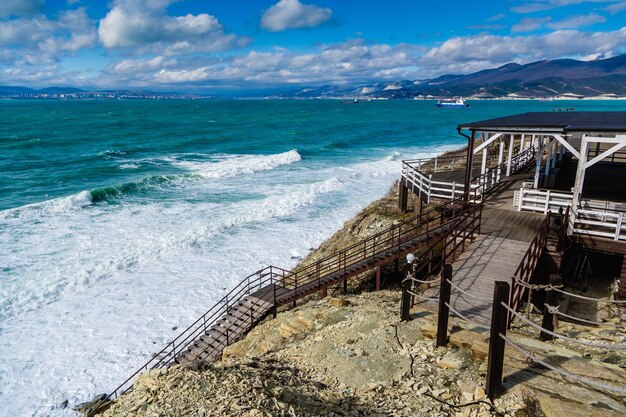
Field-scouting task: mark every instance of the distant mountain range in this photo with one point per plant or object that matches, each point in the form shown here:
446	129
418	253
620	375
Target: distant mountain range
559	77
535	80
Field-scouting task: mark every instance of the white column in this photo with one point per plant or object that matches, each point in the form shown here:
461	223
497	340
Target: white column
522	142
546	172
538	158
580	173
555	152
508	163
483	168
500	158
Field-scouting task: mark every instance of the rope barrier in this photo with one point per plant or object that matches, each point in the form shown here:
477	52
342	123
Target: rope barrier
555	310
561	371
598	345
432	281
467	293
547	287
582	297
421	297
473	323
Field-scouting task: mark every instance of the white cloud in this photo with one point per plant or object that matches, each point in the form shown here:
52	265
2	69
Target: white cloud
352	61
576	22
473	53
41	39
541	5
19	7
496	17
146	26
291	14
528	24
616	7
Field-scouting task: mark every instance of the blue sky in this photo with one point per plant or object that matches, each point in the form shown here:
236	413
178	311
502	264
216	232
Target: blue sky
241	45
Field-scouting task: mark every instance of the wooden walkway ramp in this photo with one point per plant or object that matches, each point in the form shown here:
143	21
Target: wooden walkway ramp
493	256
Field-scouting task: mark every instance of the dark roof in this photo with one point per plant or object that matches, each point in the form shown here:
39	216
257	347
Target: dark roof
582	121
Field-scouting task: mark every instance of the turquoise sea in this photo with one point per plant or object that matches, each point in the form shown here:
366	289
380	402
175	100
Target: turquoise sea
123	220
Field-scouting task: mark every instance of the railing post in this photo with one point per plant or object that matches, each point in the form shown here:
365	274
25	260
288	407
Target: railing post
552	300
295	289
618	226
430	186
444	301
495	362
275	306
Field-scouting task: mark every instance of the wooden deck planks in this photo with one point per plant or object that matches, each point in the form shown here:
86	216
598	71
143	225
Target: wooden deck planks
505	237
488	259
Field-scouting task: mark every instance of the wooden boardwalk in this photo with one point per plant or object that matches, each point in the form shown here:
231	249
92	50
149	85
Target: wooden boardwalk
505	237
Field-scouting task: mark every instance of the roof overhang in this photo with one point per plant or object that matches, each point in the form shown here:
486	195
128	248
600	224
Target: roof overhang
552	123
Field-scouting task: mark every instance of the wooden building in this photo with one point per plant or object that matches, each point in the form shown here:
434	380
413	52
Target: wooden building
579	169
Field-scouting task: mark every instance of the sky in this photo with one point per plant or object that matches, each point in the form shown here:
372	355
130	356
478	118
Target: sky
246	45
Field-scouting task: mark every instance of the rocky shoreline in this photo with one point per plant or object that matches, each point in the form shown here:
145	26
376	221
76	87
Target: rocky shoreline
352	356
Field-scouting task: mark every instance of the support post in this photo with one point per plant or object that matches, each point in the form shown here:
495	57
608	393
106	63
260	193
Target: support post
500	159
444	300
275	309
495	361
468	166
580	174
403	196
508	162
483	166
345	285
552	299
538	157
546	173
378	278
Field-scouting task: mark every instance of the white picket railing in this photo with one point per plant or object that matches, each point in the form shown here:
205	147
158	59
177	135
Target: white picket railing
541	200
600	222
422	183
592	217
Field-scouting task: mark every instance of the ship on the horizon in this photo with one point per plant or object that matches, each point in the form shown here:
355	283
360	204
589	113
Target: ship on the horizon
452	103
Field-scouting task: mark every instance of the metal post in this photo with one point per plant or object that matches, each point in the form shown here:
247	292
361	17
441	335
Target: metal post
295	289
552	299
495	361
444	301
378	278
405	313
275	306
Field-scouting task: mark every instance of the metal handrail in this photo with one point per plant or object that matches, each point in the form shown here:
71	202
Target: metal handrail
371	247
166	355
528	264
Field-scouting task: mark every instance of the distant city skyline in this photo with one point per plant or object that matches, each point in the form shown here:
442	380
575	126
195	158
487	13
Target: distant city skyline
237	45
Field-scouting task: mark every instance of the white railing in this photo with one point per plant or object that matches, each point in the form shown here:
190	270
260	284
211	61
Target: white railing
593	218
599	222
421	181
540	200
